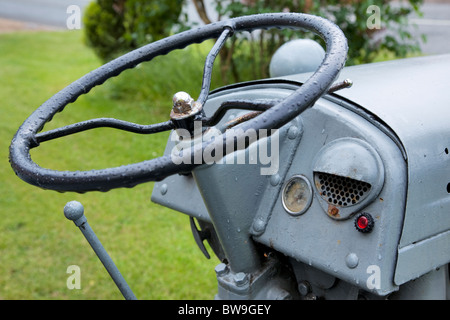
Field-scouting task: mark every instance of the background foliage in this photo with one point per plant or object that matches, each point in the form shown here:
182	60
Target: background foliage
392	38
114	26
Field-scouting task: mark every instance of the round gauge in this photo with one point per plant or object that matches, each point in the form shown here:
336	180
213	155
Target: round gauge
297	195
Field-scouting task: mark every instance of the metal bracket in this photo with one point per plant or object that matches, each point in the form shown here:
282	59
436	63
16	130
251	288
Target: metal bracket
291	141
271	282
199	236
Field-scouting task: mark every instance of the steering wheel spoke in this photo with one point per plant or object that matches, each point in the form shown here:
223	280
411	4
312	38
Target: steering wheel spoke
103	123
209	63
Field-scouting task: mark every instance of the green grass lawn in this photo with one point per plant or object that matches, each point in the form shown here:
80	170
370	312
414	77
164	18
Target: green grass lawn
152	245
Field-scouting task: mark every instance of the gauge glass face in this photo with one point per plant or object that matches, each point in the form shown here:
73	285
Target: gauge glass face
297	195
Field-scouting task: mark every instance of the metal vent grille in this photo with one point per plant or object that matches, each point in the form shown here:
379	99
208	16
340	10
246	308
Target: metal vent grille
340	191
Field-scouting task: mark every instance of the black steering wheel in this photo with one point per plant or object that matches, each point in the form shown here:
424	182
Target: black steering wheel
28	135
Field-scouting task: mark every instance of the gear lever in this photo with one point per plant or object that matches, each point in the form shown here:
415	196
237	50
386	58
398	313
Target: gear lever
74	211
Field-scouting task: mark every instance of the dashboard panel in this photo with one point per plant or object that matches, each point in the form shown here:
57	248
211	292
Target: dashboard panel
336	202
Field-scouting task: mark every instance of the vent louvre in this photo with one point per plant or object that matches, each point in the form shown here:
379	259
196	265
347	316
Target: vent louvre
340	191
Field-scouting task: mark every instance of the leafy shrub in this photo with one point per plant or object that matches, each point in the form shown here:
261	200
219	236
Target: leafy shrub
113	27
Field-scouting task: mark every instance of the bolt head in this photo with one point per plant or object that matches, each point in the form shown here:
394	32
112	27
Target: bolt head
221	269
304	288
240	278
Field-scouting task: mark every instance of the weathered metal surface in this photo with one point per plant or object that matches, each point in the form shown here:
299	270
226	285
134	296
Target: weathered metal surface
331	245
411	96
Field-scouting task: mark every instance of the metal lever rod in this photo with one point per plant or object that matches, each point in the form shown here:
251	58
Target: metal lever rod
74	211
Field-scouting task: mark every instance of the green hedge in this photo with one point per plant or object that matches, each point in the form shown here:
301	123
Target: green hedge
113	27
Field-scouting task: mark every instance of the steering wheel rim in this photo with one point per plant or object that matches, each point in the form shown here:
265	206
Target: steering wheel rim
161	167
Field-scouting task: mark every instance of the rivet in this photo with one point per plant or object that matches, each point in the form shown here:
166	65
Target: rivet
352	260
259	226
275	179
292	132
163	189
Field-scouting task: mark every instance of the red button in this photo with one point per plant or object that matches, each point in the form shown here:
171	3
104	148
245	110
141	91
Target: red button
363	222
